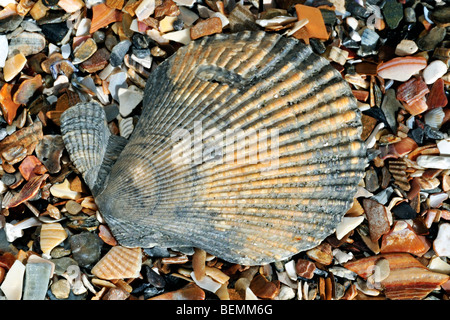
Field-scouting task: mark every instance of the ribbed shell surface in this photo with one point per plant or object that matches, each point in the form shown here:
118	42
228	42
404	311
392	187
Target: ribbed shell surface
248	213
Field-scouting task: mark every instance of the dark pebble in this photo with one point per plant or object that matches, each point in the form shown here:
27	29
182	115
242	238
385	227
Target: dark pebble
178	25
154	278
376	113
318	46
372	153
10	23
118	52
410	15
404	211
357	10
54	32
86	248
111	112
431	39
157	252
142	41
8	179
417	135
393	13
50	3
431	133
329	16
441	14
141	53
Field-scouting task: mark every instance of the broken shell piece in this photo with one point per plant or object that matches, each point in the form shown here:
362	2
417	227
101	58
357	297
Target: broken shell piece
13	66
52	234
129	98
119	263
441	244
49	151
402	238
8	106
28	191
347	224
190	292
12	285
401	68
27	43
37	278
102	15
408	278
63	191
71	5
27	89
206	283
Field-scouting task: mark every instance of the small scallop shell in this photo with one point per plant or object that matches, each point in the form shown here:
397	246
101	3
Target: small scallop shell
434	118
52	234
119	263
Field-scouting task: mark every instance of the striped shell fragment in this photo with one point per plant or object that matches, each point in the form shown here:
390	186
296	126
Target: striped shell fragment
249	212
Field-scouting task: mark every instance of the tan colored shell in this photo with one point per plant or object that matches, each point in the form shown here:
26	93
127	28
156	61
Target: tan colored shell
52	234
119	263
249	213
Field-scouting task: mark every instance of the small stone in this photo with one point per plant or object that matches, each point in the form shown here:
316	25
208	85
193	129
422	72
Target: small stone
49	151
404	211
434	71
206	27
98	61
305	268
371	180
390	106
61	289
86	248
441	15
84	51
154	278
118	52
377	217
99	36
393	13
73	207
54	32
410	15
322	254
431	39
406	48
61	264
357	10
140	53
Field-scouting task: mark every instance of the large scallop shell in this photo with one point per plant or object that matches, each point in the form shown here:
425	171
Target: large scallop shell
299	110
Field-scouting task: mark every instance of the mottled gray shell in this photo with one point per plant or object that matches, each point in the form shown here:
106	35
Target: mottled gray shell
247	213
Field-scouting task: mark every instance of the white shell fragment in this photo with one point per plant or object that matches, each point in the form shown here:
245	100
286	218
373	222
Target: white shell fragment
441	244
347	224
13	283
128	99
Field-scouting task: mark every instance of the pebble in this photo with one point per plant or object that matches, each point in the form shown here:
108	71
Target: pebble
60	289
305	268
118	52
54	32
73	207
434	71
86	248
393	13
406	48
431	39
441	244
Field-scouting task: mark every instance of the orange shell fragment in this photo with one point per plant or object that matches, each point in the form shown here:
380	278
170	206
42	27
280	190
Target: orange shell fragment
9	107
102	15
315	28
408	278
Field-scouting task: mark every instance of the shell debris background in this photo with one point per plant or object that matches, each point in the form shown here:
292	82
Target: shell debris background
393	54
